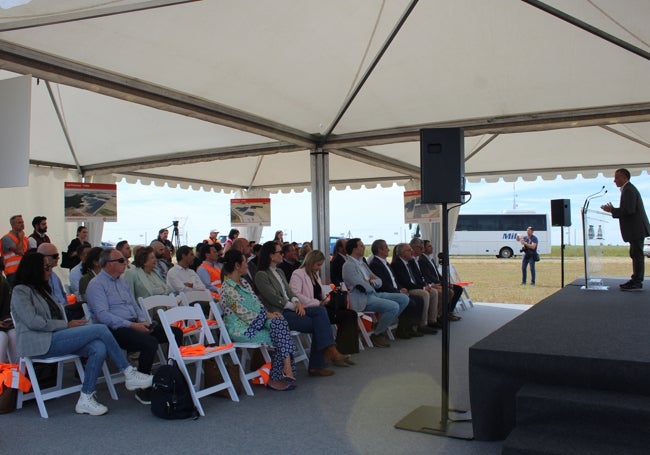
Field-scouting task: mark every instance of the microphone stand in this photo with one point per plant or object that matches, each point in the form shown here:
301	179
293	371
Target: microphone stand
585	235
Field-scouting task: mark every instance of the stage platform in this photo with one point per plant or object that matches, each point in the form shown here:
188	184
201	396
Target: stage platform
593	340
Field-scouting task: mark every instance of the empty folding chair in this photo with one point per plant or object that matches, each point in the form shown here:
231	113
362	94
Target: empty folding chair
207	349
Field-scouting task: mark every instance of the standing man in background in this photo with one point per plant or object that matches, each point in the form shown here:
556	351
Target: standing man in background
634	226
529	247
14	246
39	223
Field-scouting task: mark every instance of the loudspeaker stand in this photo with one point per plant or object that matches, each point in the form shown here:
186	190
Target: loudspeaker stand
428	419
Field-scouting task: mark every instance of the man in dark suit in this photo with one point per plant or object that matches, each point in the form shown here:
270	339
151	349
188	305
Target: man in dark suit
409	277
433	278
634	225
409	320
336	264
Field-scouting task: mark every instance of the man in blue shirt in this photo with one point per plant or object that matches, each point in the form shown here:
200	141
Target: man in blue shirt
111	302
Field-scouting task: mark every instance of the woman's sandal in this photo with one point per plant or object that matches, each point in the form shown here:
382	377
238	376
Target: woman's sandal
289	379
284	388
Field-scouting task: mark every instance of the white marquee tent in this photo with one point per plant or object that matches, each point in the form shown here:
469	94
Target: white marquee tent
238	95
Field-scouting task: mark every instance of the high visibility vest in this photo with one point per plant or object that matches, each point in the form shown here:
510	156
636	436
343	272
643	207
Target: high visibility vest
11	377
215	277
265	375
12	260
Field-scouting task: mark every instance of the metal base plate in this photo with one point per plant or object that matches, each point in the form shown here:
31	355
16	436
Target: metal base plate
427	419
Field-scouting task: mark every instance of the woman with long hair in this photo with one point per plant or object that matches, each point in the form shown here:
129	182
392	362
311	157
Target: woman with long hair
277	296
232	235
306	284
89	270
144	279
247	320
42	331
279	237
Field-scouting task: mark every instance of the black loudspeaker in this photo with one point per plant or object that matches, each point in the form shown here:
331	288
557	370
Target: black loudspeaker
442	165
560	212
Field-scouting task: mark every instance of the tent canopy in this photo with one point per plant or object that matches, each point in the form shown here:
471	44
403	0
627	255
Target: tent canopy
231	95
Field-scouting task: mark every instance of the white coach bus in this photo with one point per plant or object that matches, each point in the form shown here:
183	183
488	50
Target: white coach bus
496	233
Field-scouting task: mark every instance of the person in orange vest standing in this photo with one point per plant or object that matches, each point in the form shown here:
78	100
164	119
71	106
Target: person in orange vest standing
214	238
14	246
210	271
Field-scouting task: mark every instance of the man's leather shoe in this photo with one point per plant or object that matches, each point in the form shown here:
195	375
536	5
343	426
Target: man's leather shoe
379	340
415	334
435	325
632	286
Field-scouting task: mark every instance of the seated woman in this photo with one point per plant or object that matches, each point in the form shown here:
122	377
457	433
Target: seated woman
42	331
143	279
305	283
277	296
247	320
89	270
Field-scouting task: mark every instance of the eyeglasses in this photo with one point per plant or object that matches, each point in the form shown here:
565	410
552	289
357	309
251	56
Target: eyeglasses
53	256
277	252
47	267
120	260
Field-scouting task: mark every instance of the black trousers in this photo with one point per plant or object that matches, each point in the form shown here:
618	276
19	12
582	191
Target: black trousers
638	261
146	343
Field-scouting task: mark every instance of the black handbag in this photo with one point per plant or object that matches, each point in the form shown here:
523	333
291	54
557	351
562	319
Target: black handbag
338	300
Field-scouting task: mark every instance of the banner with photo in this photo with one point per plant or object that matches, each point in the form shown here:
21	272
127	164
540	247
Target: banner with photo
90	201
416	212
250	212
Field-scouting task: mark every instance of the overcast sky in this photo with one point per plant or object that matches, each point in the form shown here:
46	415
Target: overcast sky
366	213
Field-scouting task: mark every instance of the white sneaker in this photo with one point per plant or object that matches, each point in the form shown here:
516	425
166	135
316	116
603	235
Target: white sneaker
87	404
136	380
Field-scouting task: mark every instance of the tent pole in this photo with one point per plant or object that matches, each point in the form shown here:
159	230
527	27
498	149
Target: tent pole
320	210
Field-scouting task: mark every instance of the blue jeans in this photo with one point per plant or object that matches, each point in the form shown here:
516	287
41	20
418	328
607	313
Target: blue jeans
389	304
528	259
317	322
94	341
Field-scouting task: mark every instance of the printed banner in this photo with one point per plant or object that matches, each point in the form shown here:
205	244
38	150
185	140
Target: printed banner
415	212
250	212
90	201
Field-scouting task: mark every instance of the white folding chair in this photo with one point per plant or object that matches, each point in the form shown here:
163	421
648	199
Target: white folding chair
191	297
26	365
154	302
465	300
195	313
364	334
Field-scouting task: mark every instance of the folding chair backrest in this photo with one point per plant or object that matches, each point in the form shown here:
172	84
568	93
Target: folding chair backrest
187	314
190	297
156	301
215	313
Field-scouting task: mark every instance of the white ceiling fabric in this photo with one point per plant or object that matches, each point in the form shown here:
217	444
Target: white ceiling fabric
230	95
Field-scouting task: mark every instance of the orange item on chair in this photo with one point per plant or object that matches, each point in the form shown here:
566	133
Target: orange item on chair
197	350
71	298
11	377
265	375
367	322
464	284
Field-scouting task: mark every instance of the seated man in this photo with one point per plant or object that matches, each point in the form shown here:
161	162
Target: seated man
209	270
289	262
433	278
75	272
124	248
162	264
111	303
409	277
362	285
336	264
181	278
52	257
410	321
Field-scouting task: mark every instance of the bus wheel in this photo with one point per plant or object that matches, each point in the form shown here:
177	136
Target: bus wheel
505	253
